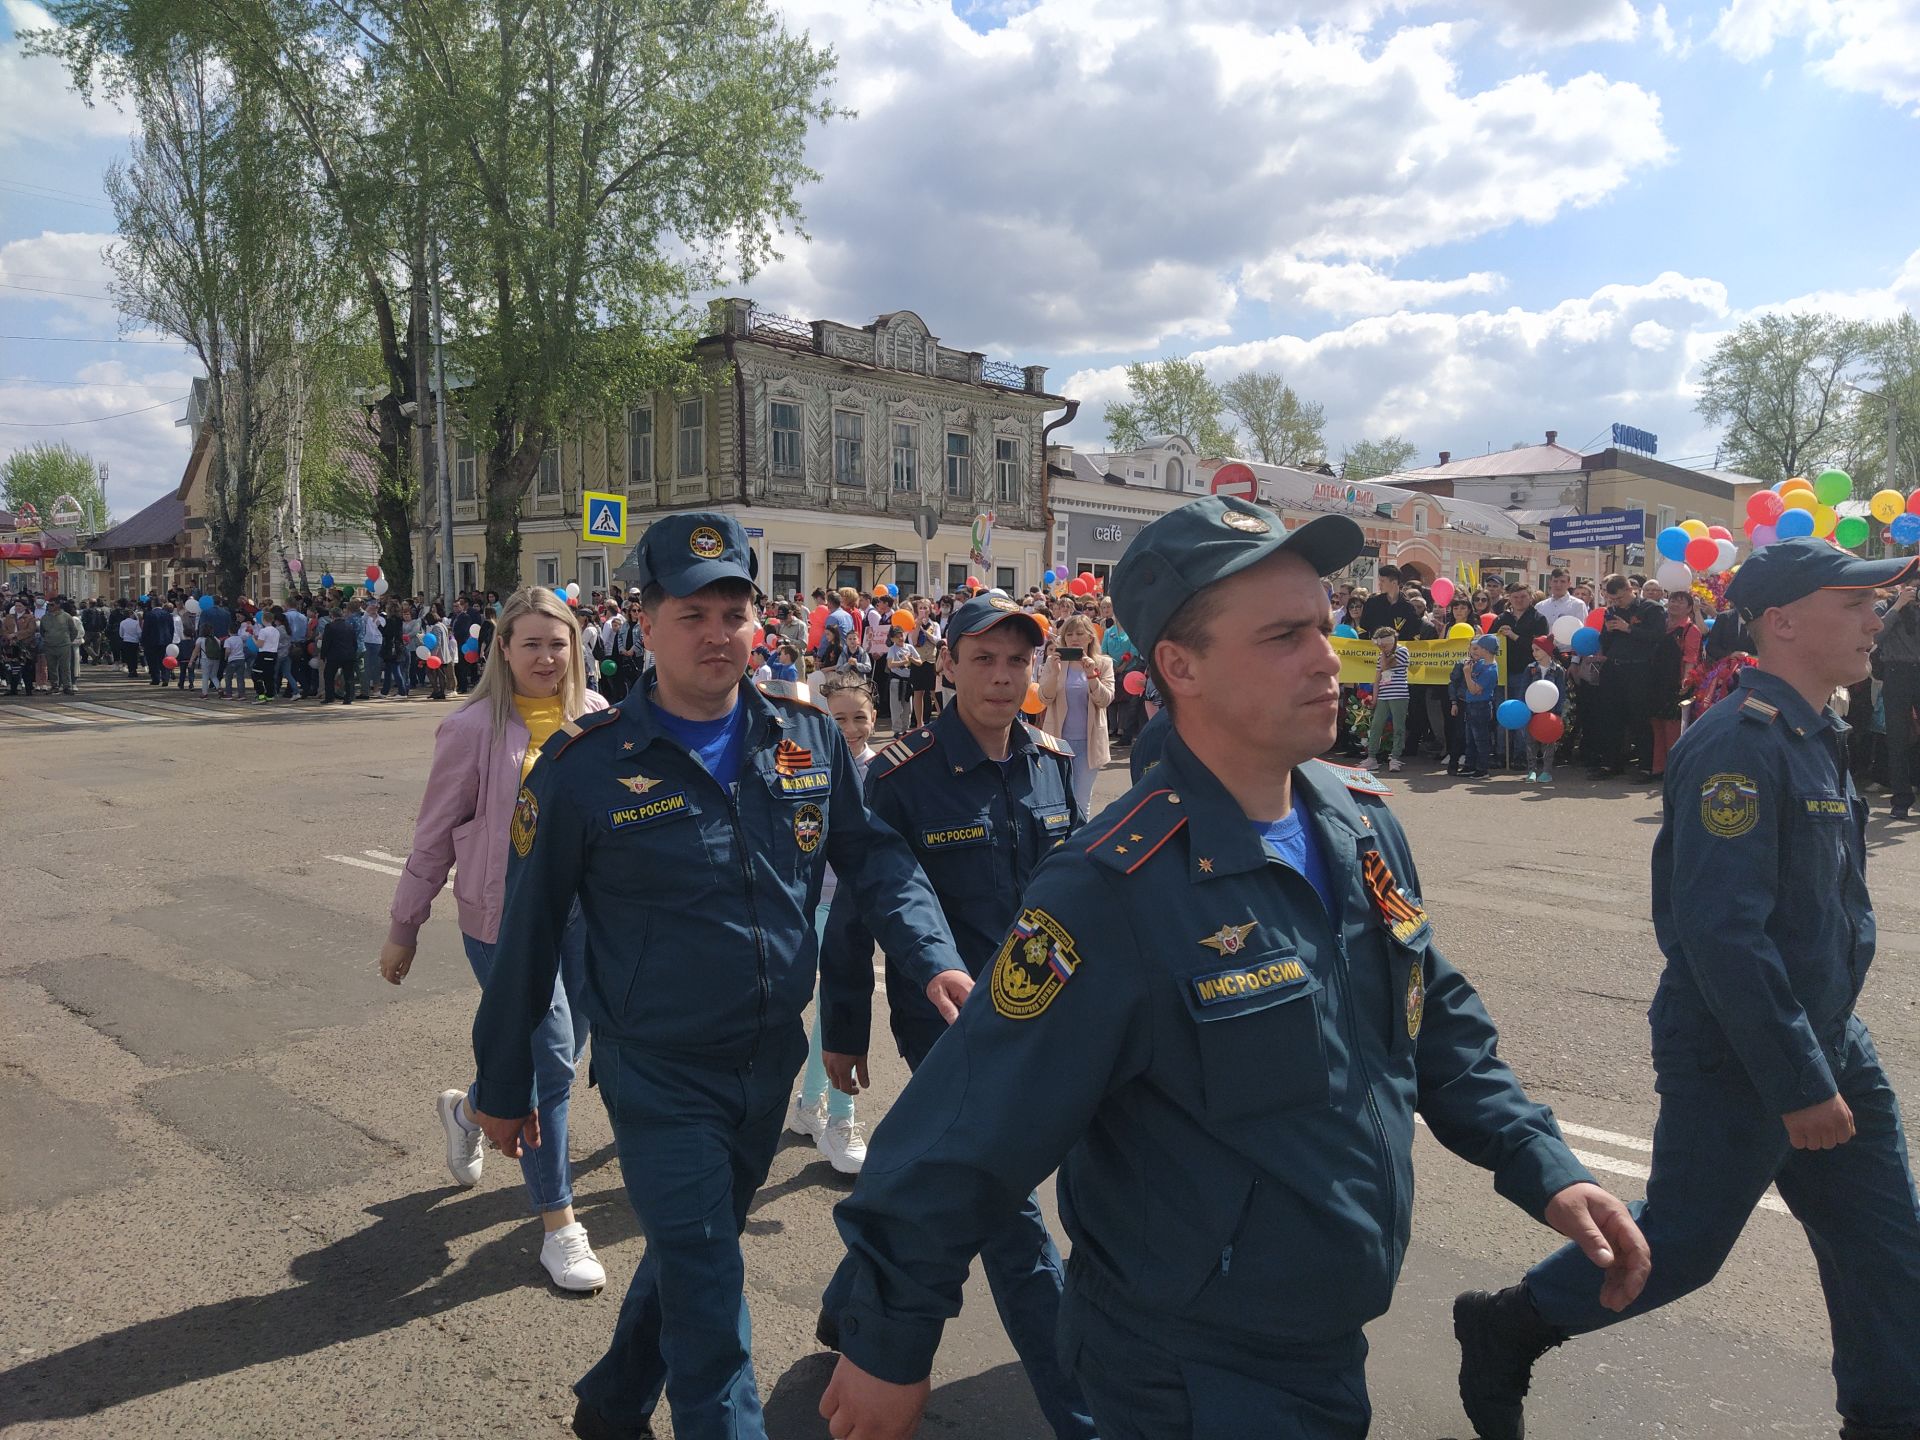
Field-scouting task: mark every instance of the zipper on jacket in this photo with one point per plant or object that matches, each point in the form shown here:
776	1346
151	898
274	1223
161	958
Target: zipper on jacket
1373	1107
1246	1209
753	916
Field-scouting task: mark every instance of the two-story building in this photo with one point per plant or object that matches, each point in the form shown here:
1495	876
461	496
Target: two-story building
826	442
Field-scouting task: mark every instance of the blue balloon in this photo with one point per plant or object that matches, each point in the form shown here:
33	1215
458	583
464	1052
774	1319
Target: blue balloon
430	640
560	590
893	592
1586	642
1906	530
1708	625
326	582
1513	714
1672	543
1792	524
1345	632
1047	579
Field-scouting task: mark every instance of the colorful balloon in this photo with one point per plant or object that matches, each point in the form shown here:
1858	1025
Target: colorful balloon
1542	695
1825	521
1729	552
1886	506
1564	629
1675	576
1513	714
1763	536
1442	592
1906	530
1764	506
1345	632
1798	482
1546	728
1852	532
1719	532
1700	555
1695	528
1832	487
1672	542
1135	682
1033	704
1462	631
1794	524
1913	503
1587	642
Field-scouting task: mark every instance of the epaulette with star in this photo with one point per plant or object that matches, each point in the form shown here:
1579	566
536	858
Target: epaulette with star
1356	778
1052	743
557	742
793	691
897	752
1755	709
1140	834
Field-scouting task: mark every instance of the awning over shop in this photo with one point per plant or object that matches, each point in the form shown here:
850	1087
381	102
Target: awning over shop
880	557
24	550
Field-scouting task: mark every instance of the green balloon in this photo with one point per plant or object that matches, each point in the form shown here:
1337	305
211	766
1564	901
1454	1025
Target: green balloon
1851	532
1832	487
607	667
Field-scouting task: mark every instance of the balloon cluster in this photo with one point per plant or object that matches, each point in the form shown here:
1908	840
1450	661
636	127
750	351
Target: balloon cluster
1693	547
1800	506
1085	583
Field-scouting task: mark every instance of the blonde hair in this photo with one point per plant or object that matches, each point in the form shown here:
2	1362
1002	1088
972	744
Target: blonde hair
495	689
850	598
1076	625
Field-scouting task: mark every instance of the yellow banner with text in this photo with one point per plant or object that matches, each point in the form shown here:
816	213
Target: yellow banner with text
1429	662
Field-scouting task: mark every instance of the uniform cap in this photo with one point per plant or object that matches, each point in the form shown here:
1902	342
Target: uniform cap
1175	557
688	551
983	612
1790	570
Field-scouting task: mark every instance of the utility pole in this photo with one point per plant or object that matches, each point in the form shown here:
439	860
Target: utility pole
444	471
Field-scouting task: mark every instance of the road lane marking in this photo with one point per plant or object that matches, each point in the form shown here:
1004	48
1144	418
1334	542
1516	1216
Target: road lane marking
1607	1137
383	855
366	864
118	714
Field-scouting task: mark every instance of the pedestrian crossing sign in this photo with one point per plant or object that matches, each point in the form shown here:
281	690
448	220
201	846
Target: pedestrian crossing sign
604	519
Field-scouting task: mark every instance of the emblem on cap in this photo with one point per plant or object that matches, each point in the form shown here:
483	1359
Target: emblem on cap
1249	524
706	543
1000	602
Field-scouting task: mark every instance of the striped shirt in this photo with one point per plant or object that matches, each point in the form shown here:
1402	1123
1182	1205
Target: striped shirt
1393	679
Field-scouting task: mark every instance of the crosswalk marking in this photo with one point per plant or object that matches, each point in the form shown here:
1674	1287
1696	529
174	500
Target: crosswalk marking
366	864
114	711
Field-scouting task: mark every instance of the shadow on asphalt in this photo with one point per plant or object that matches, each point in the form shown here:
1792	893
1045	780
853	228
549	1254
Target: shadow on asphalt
383	1276
996	1402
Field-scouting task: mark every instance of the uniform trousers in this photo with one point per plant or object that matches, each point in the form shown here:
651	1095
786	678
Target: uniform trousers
695	1143
1143	1388
1899	695
1716	1149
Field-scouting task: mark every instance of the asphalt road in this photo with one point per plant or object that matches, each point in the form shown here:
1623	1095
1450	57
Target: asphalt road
222	1189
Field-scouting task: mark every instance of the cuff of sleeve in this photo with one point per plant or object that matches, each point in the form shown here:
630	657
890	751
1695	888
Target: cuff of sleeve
887	1347
1538	1171
1811	1084
846	1029
503	1098
923	964
399	932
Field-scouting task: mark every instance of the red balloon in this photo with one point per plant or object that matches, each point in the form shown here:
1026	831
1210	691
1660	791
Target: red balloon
1486	622
170	662
1703	555
1546	727
1597	617
1135	683
973	582
373	572
1913	503
1076	586
1087	575
1764	507
759	637
433	662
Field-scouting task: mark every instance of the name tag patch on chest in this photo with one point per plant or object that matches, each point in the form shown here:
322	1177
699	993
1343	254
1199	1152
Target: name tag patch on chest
972	832
1225	985
665	807
1055	820
1404	919
1826	805
812	782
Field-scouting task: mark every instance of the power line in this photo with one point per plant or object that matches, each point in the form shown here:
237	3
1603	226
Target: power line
94	420
90	340
67	294
51	190
81	384
38	192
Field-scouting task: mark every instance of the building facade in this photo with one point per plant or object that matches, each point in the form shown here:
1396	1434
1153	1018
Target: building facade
826	442
1101	499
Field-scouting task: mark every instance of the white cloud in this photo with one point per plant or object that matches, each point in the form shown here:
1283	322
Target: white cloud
61	269
1677	44
1353	288
1562	22
1868	46
144	452
41	109
1097	175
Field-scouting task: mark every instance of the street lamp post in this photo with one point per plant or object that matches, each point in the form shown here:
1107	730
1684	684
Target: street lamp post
1891	481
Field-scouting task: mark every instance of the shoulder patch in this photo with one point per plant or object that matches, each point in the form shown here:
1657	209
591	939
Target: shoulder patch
557	742
795	692
1729	805
1356	779
1049	742
891	756
1141	832
1756	709
1035	962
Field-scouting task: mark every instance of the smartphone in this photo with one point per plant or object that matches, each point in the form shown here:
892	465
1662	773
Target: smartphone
1072	652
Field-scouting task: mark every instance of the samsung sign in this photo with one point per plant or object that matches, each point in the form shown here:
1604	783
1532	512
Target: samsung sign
1631	439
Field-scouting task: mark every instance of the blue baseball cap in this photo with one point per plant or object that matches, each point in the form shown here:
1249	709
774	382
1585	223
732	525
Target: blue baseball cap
1175	557
983	612
688	551
1790	570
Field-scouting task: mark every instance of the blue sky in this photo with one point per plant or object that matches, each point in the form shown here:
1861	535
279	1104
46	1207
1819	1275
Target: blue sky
1467	223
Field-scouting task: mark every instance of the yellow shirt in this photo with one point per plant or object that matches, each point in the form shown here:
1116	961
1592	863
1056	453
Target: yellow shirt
542	718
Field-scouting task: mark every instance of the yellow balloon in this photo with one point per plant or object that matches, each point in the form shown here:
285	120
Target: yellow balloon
1461	632
1887	506
1798	500
1696	528
1825	518
1798	482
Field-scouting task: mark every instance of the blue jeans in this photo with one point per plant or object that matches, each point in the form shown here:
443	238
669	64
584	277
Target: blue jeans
1715	1150
695	1144
557	1042
813	1079
369	671
283	670
394	677
1479	720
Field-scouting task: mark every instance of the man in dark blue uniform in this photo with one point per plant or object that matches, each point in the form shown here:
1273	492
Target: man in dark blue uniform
692	823
1766	1076
1216	1014
981	797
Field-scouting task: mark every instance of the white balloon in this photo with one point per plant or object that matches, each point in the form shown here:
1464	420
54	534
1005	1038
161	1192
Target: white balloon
192	607
473	632
421	651
1564	629
1542	695
1673	576
1729	552
380	586
573	589
173	650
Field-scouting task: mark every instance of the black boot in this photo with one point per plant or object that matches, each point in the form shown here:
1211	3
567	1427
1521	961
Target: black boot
1854	1430
590	1424
1500	1337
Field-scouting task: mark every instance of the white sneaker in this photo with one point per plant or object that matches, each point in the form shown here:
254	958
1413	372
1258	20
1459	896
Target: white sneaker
805	1119
466	1149
1395	765
570	1260
844	1145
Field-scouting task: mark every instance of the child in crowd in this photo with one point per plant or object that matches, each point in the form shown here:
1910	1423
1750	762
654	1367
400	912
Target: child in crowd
1545	666
901	658
818	1110
233	679
787	667
757	667
1389	696
1480	681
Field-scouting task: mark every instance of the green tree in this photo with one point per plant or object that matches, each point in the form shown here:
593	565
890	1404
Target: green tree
1282	428
216	248
1170	397
1891	370
1777	386
1366	459
42	474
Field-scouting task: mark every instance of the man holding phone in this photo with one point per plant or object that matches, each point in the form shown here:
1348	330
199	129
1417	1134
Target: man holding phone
1897	660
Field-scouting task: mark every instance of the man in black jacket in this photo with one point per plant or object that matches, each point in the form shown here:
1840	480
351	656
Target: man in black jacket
1634	628
156	634
339	655
1388	608
1897	657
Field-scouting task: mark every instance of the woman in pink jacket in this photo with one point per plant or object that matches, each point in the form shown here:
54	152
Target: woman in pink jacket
1077	685
482	753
